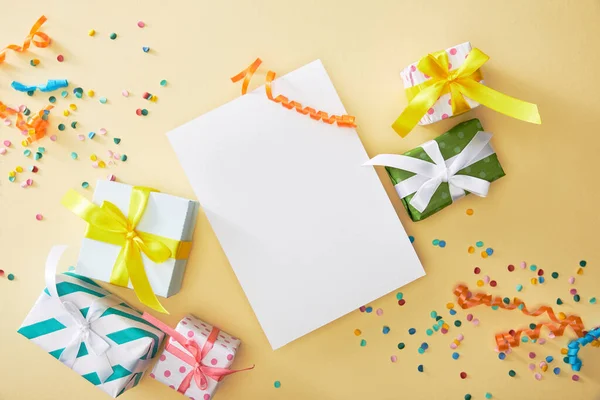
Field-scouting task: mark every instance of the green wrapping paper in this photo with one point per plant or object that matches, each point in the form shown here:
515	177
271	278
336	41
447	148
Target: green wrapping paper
451	143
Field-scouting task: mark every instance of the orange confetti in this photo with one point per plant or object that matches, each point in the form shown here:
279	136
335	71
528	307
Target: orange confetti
246	75
512	339
31	38
357	332
469	211
471	249
484	254
580	271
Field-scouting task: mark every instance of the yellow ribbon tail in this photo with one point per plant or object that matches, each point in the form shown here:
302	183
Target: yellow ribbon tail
500	102
417	108
131	258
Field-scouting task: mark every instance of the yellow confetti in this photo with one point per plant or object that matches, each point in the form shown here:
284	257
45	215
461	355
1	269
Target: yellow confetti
91	93
24	143
73	106
533	281
480	283
450	306
561	315
19	169
66	113
102	164
12	174
471	249
564	351
93	157
484	254
91	32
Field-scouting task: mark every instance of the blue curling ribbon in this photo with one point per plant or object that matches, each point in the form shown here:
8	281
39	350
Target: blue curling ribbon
50	86
575	345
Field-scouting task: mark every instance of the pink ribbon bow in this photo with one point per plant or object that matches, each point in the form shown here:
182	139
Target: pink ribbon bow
200	372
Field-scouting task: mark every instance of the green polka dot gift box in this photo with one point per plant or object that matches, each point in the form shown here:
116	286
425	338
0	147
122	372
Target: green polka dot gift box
441	171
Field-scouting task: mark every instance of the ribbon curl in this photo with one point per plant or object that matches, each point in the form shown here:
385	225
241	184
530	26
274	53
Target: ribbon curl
193	357
512	339
574	346
246	75
429	176
460	83
107	224
44	40
80	326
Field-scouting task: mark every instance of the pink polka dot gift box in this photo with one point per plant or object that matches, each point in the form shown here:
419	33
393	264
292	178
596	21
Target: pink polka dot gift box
448	83
442	109
196	358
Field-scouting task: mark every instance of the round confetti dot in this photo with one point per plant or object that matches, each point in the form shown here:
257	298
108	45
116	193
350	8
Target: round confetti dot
85	185
91	135
533	281
455	356
592	300
399	296
538	376
429	332
571	280
91	93
532	354
379	312
190	333
582	263
501	355
467	396
10	277
457	323
556	371
540	272
489	251
52	99
102	100
576	298
401	345
125	93
452	312
61	127
91	32
471	249
182	369
363	343
163	82
60	58
412	331
401	302
39	217
484	254
433	314
123	157
479	244
74	124
116	140
475	322
449	306
442	243
74	156
357	332
512	373
412	239
477	270
572	291
488	395
27	153
493	283
386	330
463	375
64	93
469	211
144	112
141	24
575	377
506	300
393	359
138	111
420	368
369	309
113	36
421	350
213	361
519	288
145	49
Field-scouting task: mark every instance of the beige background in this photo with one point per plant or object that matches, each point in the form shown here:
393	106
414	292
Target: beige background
544	211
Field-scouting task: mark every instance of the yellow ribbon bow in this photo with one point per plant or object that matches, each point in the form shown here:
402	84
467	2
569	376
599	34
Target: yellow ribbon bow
107	224
459	83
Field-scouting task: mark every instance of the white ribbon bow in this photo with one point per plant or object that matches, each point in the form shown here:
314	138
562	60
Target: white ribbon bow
74	320
429	176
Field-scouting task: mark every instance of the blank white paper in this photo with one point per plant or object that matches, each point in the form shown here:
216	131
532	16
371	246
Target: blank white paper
310	232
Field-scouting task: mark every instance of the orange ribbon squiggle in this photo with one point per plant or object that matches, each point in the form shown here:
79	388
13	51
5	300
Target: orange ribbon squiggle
512	338
35	127
246	74
44	40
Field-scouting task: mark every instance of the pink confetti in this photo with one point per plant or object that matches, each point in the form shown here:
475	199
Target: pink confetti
141	24
476	322
29	182
7	122
102	131
53	138
379	312
24	184
542	364
469	317
486	279
116	156
523	265
22	107
541	341
393	358
551	335
532	367
81	137
571	280
111	178
125	93
460	337
39	217
538	376
573	291
453	345
7	143
3	150
95	164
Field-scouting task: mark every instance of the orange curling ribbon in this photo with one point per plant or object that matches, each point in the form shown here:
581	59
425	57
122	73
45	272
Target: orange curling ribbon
35	127
44	40
510	339
341	120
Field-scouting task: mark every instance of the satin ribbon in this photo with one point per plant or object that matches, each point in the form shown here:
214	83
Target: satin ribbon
512	338
460	83
36	126
49	86
44	40
107	224
429	176
80	326
574	346
246	75
193	356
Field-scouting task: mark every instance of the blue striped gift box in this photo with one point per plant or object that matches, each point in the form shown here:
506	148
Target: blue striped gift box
133	341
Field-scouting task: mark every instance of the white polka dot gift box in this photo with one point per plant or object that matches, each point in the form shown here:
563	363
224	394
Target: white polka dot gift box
441	171
91	331
196	358
450	82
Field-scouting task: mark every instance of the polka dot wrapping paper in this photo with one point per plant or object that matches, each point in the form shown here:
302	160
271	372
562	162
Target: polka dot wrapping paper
442	109
171	370
450	144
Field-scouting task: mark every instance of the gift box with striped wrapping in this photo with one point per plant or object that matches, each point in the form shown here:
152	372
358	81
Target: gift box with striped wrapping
133	341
